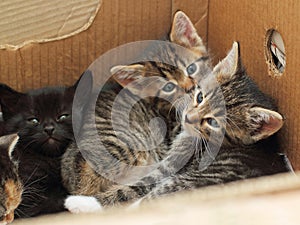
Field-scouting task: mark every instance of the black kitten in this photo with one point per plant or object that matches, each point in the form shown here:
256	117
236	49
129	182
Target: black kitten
43	120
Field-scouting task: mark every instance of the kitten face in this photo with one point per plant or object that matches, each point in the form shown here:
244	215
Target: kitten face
228	101
42	117
10	186
204	117
173	72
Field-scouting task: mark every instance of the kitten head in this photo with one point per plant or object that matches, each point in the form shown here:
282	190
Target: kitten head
41	117
174	71
10	187
246	114
159	83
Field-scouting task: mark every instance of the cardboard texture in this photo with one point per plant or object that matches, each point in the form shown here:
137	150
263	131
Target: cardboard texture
28	21
219	23
61	62
269	201
248	22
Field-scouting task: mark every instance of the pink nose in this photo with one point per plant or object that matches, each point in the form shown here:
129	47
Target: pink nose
191	117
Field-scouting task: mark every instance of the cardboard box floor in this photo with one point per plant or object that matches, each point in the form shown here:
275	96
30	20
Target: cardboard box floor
52	43
268	201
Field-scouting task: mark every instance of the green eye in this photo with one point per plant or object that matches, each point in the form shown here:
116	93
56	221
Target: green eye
169	87
191	69
33	121
199	97
212	122
62	117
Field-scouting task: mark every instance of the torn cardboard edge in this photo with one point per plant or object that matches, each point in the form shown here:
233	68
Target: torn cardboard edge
275	53
85	26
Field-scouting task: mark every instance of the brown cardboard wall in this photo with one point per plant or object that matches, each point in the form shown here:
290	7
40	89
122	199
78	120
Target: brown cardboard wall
218	22
61	62
248	22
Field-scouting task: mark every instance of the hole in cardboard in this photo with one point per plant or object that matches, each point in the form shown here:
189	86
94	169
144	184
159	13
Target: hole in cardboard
275	53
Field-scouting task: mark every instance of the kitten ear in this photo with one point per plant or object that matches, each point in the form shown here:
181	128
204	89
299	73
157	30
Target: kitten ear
8	143
265	121
225	69
184	33
125	74
9	100
128	73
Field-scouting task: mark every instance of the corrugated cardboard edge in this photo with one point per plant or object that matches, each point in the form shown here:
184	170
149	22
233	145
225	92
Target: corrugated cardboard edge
239	199
83	28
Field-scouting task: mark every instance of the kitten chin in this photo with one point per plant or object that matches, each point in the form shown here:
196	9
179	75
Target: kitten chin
53	148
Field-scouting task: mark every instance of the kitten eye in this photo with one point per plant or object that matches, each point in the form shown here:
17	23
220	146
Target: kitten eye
33	121
191	69
212	122
199	97
169	87
62	117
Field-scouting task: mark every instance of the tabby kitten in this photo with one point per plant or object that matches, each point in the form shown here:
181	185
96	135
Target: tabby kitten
248	149
10	186
135	144
43	121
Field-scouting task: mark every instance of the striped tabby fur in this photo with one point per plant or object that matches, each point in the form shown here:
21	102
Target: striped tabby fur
249	148
130	146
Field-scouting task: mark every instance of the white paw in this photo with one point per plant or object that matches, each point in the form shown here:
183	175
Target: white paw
82	204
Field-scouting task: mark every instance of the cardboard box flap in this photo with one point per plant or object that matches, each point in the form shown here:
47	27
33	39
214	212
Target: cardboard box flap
38	21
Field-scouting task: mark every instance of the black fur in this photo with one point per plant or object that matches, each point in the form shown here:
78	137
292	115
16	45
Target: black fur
44	136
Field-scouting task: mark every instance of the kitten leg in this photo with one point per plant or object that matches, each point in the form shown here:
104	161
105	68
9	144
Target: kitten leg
82	204
120	194
169	186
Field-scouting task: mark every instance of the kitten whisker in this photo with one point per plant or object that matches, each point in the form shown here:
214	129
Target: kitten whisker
205	142
28	144
20	213
206	145
35	169
198	150
180	104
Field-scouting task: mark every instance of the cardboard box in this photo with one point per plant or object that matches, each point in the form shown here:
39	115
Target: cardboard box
248	22
259	201
59	55
39	53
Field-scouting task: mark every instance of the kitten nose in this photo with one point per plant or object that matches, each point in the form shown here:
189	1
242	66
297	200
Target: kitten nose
49	129
191	117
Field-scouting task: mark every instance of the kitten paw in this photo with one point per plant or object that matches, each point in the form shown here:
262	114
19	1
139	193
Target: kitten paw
82	204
